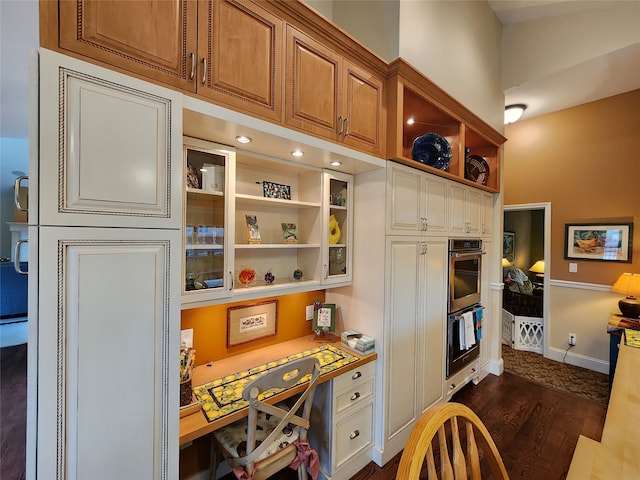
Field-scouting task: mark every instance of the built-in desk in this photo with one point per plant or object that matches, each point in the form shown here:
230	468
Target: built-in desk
196	425
617	455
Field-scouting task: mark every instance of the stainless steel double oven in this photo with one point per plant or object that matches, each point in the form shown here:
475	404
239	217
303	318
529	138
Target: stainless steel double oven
465	274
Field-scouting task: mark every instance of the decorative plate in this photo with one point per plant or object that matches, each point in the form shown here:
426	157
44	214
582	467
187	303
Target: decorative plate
433	150
476	169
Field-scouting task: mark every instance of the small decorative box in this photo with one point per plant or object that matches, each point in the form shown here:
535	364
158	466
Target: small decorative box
357	341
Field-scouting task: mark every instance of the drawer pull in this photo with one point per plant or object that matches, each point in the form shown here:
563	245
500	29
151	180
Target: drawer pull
354	434
473	370
356	375
355	396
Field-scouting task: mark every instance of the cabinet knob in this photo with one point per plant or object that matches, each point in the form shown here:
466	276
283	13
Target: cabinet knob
453	385
356	375
354	434
355	396
473	370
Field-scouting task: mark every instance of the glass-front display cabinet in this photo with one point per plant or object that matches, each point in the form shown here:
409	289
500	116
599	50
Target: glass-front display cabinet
209	191
337	255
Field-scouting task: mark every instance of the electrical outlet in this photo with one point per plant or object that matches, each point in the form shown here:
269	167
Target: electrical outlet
572	339
573	268
186	338
309	313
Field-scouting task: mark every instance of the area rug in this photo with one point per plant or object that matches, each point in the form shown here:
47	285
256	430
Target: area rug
572	379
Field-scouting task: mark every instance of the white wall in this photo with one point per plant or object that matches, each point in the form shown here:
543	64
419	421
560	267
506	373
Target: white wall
457	45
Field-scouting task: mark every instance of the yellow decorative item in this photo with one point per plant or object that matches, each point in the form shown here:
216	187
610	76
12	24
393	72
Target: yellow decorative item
334	230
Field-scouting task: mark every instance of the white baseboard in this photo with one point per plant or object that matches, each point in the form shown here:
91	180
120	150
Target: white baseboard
578	360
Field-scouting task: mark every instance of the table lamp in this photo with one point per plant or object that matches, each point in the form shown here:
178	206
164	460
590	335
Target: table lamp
628	284
506	263
538	268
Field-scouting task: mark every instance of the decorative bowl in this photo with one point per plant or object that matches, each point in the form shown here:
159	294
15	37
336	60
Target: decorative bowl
433	150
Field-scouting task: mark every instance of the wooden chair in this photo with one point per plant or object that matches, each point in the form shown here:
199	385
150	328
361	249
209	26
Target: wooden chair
457	465
267	441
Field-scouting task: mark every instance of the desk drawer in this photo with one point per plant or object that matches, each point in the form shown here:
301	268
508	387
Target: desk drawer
356	395
353	434
354	377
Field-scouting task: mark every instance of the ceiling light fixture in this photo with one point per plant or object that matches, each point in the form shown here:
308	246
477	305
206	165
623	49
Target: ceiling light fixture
243	139
297	153
411	121
512	113
336	163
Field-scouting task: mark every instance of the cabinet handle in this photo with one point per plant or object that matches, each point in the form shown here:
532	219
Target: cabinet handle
326	271
453	385
354	434
355	396
341	120
231	279
16	192
356	375
192	57
346	130
204	71
16	257
473	370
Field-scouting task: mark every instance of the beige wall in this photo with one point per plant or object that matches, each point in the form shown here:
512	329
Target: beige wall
584	160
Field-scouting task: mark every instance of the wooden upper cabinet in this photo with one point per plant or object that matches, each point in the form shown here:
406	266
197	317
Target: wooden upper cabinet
155	39
240	49
329	96
363	109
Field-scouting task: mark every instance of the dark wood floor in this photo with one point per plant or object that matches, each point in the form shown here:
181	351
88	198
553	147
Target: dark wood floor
535	427
13	411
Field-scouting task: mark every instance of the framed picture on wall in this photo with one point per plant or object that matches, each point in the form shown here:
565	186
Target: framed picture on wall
509	246
606	242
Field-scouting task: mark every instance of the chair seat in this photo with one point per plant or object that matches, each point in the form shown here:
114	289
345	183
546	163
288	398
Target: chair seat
233	437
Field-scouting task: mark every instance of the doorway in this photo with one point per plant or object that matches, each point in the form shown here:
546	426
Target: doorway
529	227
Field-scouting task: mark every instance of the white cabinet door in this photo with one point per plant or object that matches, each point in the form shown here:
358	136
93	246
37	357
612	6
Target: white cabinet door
487	214
405	200
337	228
433	331
110	148
406	280
108	342
436	204
474	211
457	210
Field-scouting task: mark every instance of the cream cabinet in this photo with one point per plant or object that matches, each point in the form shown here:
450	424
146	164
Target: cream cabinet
342	422
209	173
486	200
416	201
415	319
104	272
338	224
465	210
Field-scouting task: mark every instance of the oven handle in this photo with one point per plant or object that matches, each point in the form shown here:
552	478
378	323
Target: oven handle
466	254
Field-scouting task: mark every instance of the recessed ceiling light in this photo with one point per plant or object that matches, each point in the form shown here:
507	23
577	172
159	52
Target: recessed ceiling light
243	139
336	163
411	121
297	153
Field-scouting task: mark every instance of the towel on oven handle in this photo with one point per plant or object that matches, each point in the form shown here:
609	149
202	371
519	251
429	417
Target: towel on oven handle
466	331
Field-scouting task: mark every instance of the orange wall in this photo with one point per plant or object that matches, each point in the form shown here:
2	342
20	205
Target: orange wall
585	160
210	325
